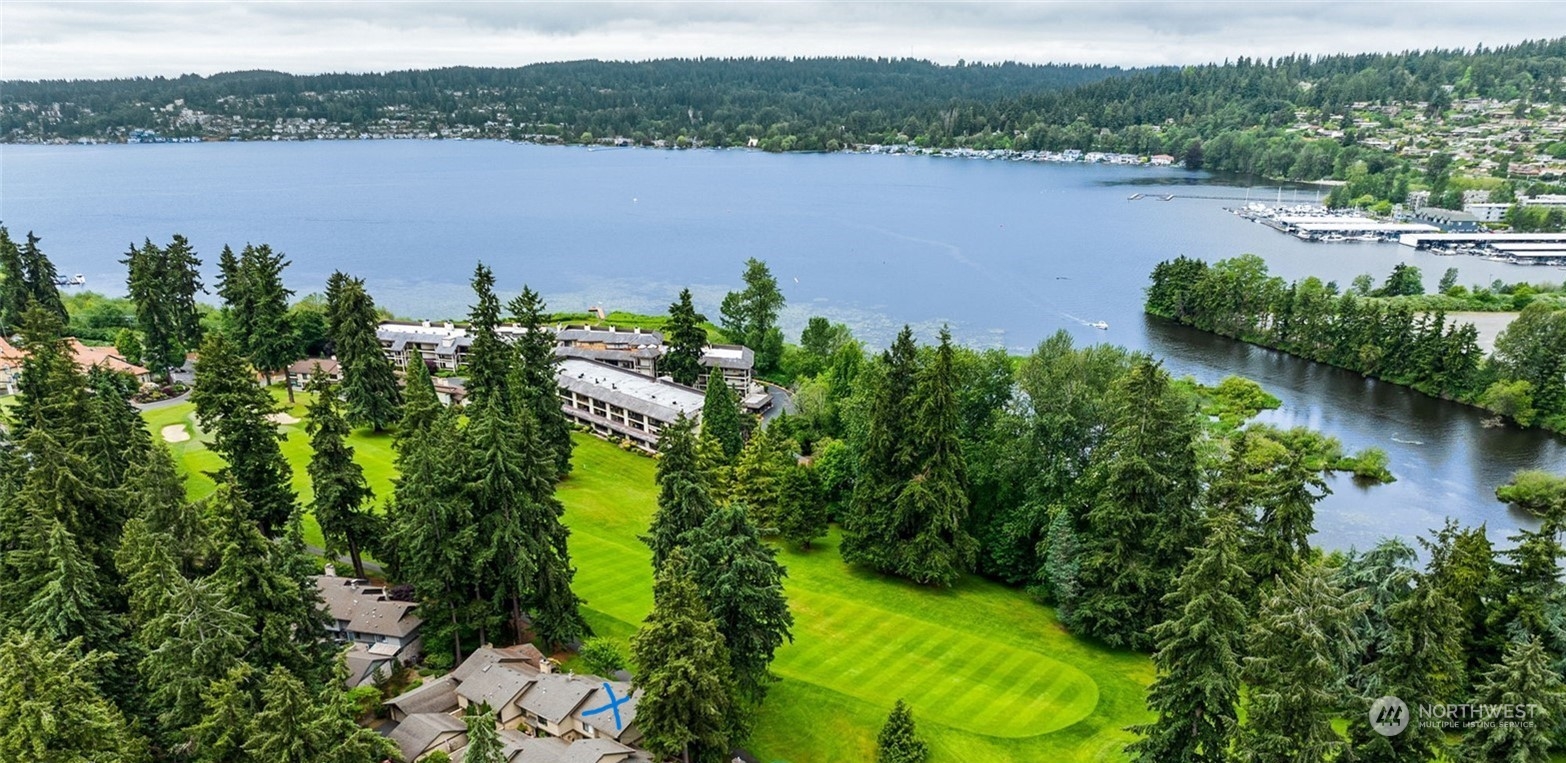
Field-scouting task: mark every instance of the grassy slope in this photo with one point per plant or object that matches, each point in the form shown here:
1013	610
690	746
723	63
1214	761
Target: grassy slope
991	675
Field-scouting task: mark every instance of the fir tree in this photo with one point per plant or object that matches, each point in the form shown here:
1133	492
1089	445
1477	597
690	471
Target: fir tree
683	504
51	708
757	474
687	686
539	387
336	480
421	406
162	283
871	532
1141	519
483	742
432	529
684	339
157	497
238	299
1289	497
1298	648
496	487
1462	565
192	638
14	294
489	360
260	580
717	469
227	707
720	419
51	392
1196	692
933	505
238	413
40	276
270	341
369	381
802	510
293	725
182	281
68	602
899	741
1524	678
751	315
741	583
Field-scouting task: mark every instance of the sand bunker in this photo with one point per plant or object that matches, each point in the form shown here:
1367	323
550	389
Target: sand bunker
175	433
282	418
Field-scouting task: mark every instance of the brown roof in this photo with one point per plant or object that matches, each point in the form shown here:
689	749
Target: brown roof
419	732
106	357
496	685
485	656
328	366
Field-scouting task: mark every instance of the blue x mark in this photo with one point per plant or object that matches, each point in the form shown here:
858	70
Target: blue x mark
613	706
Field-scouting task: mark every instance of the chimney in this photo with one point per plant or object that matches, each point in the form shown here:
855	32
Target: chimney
331	571
448	325
546	665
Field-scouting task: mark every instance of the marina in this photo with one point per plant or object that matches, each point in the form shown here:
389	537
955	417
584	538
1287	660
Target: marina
1514	248
1319	224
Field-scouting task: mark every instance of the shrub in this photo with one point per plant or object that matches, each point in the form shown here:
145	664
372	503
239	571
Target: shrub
1537	491
602	657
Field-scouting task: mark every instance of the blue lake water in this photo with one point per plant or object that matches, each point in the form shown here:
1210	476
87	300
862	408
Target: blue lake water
1005	253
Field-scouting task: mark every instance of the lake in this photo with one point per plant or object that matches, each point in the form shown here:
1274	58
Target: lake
1005	253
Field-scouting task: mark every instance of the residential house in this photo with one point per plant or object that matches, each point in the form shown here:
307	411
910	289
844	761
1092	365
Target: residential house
419	735
11	359
543	716
107	358
362	614
302	371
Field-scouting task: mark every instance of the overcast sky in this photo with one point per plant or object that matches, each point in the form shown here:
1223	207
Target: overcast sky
112	39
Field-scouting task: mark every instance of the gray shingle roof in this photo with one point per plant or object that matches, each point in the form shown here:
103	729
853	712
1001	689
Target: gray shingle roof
536	750
608	335
556	695
418	732
604	722
436	696
385	618
489	655
496	685
593	750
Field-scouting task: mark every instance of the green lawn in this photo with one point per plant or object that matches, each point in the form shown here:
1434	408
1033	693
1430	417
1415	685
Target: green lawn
991	675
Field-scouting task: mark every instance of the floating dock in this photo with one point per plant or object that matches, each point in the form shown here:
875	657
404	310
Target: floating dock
1518	248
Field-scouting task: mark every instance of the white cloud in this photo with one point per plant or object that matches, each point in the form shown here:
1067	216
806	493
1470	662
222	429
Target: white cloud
93	39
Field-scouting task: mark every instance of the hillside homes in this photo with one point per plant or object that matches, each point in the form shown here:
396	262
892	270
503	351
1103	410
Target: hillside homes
86	358
543	715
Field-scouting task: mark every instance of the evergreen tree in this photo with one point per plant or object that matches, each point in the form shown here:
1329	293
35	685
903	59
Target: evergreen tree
193	639
1288	512
227	707
741	583
684	339
802	510
51	393
67	602
270	341
1298	647
1141	519
540	389
336	480
717	470
293	725
40	276
369	381
871	531
52	710
238	299
483	742
259	580
898	741
157	496
238	413
1196	693
757	474
751	315
687	685
117	437
421	406
162	283
14	294
433	532
1462	565
720	419
683	504
1524	678
933	505
489	360
497	489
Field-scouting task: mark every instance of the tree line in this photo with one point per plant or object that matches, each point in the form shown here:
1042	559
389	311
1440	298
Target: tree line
1524	379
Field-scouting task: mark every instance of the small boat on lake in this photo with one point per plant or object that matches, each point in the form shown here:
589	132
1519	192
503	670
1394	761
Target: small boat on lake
75	280
1100	325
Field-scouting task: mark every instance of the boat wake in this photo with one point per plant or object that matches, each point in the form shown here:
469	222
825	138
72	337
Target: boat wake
1395	438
